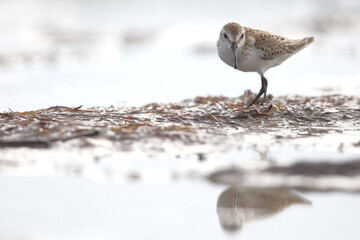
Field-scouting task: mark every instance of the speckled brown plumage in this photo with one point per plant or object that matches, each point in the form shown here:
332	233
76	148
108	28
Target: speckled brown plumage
273	45
234	28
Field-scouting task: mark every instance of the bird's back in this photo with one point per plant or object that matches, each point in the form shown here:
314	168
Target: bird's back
274	46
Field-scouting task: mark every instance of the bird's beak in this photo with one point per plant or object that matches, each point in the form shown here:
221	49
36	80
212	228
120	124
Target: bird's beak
234	49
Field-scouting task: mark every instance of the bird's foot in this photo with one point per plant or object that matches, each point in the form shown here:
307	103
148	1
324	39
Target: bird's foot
262	102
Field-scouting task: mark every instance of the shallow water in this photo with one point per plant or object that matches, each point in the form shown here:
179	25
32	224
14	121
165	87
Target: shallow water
78	208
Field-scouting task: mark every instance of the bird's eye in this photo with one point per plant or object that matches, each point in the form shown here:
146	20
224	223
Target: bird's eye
226	36
242	35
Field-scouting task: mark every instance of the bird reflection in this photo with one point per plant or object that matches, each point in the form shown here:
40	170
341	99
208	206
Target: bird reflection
238	205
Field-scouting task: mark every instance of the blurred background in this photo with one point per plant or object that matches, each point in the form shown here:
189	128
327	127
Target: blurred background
101	53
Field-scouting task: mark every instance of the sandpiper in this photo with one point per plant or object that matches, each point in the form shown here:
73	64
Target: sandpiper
251	50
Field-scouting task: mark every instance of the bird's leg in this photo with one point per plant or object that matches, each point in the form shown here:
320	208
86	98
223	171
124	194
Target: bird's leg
263	89
264	83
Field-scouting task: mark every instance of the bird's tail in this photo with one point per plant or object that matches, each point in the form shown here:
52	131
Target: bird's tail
308	40
301	43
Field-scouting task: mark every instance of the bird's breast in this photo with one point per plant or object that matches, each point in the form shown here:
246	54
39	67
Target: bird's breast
226	55
248	61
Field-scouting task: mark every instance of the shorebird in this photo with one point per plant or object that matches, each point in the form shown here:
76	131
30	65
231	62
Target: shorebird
251	50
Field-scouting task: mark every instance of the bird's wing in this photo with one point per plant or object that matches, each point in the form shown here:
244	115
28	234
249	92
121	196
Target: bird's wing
272	46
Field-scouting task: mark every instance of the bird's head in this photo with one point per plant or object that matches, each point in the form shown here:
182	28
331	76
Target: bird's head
233	36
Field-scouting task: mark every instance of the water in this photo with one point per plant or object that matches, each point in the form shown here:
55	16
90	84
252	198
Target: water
78	208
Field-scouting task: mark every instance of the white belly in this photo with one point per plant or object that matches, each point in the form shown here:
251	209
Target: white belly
253	62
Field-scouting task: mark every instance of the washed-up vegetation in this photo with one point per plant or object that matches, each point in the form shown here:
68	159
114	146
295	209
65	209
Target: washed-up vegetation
283	117
202	126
